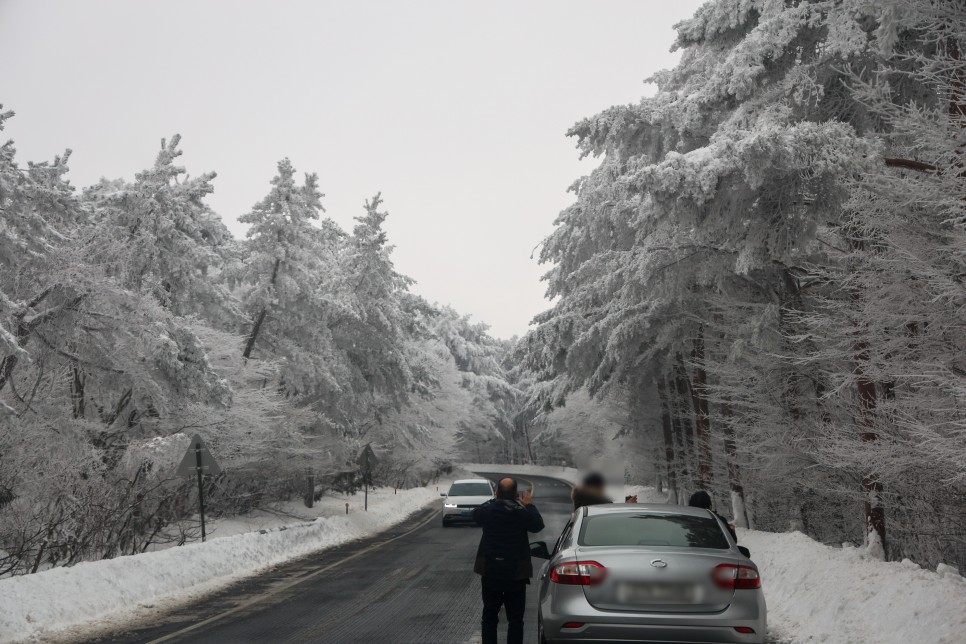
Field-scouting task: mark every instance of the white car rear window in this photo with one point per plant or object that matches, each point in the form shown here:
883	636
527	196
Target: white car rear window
470	489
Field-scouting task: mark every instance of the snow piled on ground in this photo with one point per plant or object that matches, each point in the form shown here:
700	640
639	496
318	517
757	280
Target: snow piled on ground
816	593
41	604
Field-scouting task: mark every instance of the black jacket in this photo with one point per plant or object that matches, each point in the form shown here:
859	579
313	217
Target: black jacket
583	496
504	551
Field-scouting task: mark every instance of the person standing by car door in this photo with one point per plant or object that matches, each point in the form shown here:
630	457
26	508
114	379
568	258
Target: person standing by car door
503	558
593	492
702	499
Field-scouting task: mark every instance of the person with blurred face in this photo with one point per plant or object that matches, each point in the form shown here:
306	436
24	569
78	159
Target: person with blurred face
593	492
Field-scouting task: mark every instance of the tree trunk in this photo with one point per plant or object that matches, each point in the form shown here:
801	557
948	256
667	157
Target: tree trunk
672	483
256	327
77	392
257	322
681	426
702	417
871	485
119	407
734	470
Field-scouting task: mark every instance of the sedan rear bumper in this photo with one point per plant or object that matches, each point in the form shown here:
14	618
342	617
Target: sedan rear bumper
655	634
617	626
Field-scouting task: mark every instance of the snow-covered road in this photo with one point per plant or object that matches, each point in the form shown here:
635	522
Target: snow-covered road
815	593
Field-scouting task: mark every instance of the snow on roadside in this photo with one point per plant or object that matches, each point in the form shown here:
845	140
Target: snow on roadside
62	598
816	593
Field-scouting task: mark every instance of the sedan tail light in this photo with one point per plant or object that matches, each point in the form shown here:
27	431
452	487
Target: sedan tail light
733	577
579	573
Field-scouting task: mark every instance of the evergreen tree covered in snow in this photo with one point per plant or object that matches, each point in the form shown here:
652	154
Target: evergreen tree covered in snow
729	259
130	320
169	237
287	266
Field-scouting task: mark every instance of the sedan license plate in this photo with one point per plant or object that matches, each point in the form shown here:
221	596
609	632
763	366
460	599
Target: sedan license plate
467	513
655	593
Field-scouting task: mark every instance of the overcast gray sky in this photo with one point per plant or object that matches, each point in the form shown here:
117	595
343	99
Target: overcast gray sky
455	110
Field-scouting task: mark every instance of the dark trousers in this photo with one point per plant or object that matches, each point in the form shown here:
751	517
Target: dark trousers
513	596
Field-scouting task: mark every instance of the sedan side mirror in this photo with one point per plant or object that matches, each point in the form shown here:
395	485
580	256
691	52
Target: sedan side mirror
745	551
539	550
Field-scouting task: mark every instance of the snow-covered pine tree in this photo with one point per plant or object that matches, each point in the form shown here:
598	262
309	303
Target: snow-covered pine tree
372	327
716	190
289	267
169	237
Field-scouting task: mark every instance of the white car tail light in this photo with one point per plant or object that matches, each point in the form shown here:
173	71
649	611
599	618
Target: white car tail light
733	577
579	573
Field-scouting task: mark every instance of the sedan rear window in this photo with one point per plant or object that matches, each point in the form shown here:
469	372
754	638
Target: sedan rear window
470	489
641	529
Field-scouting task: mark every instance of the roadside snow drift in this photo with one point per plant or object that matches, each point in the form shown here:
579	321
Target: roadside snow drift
816	593
61	598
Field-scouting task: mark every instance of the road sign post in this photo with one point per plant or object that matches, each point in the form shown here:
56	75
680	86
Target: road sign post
367	458
201	491
199	461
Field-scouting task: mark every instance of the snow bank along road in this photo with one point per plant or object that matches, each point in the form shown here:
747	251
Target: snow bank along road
412	583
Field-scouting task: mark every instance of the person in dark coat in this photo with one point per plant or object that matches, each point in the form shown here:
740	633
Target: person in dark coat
592	492
503	558
702	499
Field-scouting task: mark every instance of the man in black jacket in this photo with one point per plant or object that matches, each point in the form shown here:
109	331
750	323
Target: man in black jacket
503	557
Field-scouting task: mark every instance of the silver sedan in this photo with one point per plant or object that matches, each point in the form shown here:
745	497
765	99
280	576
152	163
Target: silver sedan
648	573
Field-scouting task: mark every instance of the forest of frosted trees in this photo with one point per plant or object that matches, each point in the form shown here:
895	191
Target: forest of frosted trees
759	291
130	320
767	271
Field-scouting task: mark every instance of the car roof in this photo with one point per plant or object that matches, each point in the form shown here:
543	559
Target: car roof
472	481
661	508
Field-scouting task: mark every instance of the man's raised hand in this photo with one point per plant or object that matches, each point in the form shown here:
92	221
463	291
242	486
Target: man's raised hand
527	497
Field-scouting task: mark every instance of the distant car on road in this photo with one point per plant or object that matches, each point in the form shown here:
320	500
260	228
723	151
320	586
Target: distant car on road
463	496
648	573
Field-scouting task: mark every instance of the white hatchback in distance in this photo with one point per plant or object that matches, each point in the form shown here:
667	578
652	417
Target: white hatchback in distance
463	496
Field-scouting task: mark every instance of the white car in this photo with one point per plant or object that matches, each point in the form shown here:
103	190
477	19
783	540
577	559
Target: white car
463	497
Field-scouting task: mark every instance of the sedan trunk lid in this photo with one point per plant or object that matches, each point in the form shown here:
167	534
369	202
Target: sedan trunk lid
653	579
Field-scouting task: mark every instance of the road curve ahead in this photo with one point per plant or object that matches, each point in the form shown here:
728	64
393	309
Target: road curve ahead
411	584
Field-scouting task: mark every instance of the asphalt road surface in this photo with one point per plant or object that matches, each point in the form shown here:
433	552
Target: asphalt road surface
411	584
